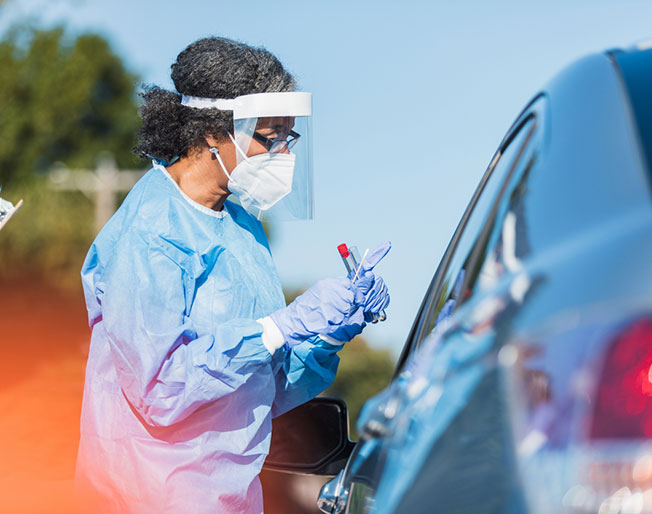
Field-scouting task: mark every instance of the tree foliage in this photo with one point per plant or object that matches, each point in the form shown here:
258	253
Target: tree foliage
362	373
62	100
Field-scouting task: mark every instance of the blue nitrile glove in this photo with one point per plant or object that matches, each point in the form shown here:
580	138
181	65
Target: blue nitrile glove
323	309
377	299
372	286
374	290
335	307
347	331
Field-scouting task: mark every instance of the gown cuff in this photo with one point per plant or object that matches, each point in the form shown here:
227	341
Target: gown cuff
272	336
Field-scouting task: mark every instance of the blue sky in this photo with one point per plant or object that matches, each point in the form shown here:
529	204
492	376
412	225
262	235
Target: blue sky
411	99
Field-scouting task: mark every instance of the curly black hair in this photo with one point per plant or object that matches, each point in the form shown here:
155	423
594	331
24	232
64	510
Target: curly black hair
213	67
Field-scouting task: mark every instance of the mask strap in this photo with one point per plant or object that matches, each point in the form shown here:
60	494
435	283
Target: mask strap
216	153
237	147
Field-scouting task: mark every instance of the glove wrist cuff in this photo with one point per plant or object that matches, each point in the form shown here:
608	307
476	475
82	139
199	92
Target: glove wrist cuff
272	337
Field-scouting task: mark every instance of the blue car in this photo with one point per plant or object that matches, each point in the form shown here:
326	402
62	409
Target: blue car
525	384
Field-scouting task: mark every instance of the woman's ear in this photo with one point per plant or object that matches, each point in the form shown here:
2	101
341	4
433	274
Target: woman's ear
210	141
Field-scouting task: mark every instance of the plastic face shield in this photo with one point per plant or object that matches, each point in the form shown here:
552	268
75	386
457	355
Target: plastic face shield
275	123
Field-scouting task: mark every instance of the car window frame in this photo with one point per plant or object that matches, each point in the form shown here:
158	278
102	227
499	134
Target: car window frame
477	255
419	326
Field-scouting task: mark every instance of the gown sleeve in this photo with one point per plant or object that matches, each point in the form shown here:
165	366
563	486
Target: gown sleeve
165	368
305	371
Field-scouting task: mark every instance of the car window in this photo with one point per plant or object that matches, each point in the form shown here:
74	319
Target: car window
446	291
451	294
505	242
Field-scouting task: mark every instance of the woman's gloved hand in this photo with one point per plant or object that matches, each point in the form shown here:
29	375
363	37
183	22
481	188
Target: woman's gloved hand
372	286
335	307
323	309
376	298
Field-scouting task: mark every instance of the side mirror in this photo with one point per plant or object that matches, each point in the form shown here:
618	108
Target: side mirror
311	439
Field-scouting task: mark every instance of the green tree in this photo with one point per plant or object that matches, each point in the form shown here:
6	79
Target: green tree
62	99
362	373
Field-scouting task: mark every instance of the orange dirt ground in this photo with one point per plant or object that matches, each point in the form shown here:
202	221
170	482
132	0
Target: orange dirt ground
44	338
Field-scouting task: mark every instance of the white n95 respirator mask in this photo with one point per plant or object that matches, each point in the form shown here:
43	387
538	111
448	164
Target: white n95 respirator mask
260	181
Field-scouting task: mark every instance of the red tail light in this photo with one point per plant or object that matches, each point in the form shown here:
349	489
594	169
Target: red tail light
624	402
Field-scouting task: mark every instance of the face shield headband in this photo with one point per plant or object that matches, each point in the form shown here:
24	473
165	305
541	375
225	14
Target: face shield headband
257	105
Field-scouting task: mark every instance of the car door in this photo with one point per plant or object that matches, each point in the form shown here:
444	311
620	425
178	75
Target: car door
453	284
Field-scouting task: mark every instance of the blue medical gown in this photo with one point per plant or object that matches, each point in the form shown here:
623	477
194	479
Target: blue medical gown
180	390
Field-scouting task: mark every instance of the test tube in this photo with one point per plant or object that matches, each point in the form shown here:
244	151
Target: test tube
351	258
347	258
356	255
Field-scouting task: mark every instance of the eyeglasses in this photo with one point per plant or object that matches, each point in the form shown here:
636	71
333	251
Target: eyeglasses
278	144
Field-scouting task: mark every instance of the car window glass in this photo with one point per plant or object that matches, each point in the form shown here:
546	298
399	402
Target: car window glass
506	244
450	294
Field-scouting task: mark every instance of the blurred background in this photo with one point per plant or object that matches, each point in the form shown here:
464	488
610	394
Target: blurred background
410	101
